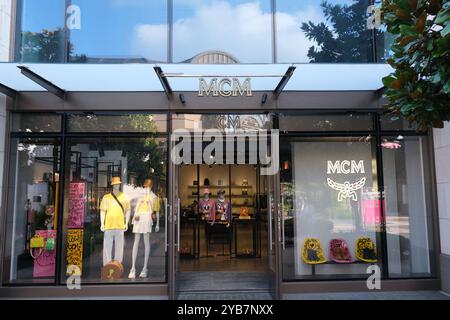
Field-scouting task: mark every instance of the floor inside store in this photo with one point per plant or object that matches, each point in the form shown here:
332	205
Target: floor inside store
224	256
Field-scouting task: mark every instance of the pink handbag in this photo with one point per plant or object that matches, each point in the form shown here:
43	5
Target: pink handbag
44	260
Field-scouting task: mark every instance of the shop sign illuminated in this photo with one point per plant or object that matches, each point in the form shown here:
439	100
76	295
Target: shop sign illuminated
225	87
347	190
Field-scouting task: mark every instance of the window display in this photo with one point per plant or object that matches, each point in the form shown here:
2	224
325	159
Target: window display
31	229
323	196
142	225
114	219
115	188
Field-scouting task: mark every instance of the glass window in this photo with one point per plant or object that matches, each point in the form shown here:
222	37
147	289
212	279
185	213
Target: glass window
31	230
391	122
323	31
228	31
36	122
326	122
98	241
384	40
119	31
329	205
90	122
408	219
42	35
223	122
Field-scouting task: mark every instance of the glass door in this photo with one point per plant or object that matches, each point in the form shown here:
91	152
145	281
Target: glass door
274	231
174	225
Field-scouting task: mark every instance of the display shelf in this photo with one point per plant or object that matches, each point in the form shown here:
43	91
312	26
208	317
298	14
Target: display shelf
233	195
313	266
224	186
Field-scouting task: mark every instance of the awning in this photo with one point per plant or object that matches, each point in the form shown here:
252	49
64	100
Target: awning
61	78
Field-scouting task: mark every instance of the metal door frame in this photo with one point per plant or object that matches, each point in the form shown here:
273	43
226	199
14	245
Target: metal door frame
173	222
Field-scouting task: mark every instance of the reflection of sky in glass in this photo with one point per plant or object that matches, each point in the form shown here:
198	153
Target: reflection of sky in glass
292	44
42	14
240	28
118	28
138	28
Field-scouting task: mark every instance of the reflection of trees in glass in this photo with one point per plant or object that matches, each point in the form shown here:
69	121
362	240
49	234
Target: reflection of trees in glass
109	123
145	159
344	36
44	46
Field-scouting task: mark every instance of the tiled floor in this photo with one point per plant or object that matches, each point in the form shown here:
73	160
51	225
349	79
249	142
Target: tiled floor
397	295
392	295
254	286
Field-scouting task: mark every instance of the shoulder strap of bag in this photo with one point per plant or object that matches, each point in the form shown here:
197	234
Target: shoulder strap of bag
117	200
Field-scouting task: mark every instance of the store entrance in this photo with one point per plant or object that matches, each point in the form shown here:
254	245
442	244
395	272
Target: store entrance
223	231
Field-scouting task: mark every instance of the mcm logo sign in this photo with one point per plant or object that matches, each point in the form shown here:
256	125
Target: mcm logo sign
225	87
347	190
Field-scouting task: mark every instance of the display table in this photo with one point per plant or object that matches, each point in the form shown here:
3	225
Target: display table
313	266
194	252
237	223
218	228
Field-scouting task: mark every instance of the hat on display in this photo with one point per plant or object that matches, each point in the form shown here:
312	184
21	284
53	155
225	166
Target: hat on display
366	250
339	252
113	270
147	183
312	252
206	191
115	180
221	191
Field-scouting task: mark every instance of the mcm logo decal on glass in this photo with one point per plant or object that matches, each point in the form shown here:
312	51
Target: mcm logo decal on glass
347	190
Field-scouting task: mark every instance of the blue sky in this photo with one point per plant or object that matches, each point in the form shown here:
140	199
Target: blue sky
124	28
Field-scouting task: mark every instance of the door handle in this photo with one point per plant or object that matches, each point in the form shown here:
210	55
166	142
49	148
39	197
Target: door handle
178	224
270	222
166	244
283	236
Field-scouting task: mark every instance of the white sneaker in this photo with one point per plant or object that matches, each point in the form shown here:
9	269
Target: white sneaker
132	274
143	273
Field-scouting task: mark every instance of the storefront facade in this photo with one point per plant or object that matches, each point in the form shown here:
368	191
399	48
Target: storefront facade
353	192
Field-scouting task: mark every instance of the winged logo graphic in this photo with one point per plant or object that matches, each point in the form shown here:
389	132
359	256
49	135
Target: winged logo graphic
346	189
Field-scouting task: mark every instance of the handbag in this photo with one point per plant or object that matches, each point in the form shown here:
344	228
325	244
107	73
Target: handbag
50	244
37	242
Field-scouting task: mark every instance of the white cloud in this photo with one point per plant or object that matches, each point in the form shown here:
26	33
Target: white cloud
292	44
150	41
242	30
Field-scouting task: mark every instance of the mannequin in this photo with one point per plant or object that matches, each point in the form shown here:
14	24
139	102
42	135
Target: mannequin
142	225
207	207
223	208
114	219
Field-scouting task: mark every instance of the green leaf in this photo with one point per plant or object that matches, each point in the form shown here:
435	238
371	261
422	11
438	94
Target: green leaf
446	87
387	81
407	30
446	30
442	17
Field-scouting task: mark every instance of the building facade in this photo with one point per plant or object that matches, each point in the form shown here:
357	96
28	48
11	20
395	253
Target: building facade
273	108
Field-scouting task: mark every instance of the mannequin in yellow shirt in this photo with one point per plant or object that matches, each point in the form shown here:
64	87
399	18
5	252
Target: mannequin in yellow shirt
114	222
142	225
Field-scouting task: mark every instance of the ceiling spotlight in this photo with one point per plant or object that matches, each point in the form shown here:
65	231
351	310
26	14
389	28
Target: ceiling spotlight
182	98
264	98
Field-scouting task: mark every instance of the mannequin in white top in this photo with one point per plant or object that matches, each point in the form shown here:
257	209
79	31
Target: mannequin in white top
142	225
